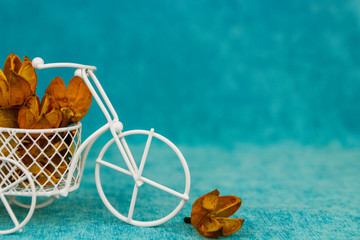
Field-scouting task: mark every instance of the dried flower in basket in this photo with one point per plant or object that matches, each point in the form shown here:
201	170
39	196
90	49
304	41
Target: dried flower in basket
74	102
33	115
210	215
46	156
58	149
17	82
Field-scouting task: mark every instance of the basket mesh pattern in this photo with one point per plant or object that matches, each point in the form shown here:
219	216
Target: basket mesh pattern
8	174
46	155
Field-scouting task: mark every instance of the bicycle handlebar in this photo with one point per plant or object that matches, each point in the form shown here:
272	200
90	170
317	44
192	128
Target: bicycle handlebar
38	63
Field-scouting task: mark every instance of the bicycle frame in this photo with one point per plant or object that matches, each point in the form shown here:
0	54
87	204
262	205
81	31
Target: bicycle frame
114	125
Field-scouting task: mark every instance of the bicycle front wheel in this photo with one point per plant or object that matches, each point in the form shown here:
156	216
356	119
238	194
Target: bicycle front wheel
139	179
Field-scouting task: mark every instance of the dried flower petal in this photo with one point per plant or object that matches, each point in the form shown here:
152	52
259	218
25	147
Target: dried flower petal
29	112
17	81
230	225
20	89
227	206
27	71
41	123
210	225
203	206
51	111
8	118
79	97
12	63
4	90
57	90
33	115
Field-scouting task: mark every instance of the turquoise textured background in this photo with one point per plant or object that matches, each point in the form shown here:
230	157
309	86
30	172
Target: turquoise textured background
260	96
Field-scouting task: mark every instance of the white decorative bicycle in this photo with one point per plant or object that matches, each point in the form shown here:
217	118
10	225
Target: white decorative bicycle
21	175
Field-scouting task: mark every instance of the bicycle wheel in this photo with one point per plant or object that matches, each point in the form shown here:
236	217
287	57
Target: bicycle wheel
139	179
13	179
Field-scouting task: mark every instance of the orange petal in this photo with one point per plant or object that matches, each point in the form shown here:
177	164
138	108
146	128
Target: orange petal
34	169
29	112
2	75
79	98
8	118
208	201
203	206
51	111
198	216
42	123
67	115
4	90
27	71
12	63
54	117
47	104
210	225
230	225
57	90
19	89
227	206
211	234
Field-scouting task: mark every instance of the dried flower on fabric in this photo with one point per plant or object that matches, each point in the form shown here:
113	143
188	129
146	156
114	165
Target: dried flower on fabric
210	215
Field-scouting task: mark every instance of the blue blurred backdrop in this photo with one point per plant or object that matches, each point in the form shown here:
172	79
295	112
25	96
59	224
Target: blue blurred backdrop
259	71
246	79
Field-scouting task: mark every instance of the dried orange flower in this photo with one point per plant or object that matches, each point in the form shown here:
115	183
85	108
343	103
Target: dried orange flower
74	102
17	81
33	115
210	214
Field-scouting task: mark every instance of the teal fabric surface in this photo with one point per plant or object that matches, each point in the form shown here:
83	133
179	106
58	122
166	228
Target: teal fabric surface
260	96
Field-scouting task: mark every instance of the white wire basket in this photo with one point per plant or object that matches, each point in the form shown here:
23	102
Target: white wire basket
46	153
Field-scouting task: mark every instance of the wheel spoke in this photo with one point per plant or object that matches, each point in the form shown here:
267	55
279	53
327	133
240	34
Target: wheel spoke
10	172
12	180
133	170
166	189
133	201
148	181
3	177
146	151
9	210
128	153
13	184
116	168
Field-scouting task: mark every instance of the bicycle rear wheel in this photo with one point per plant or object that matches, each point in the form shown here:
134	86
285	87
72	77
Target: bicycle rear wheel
13	176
